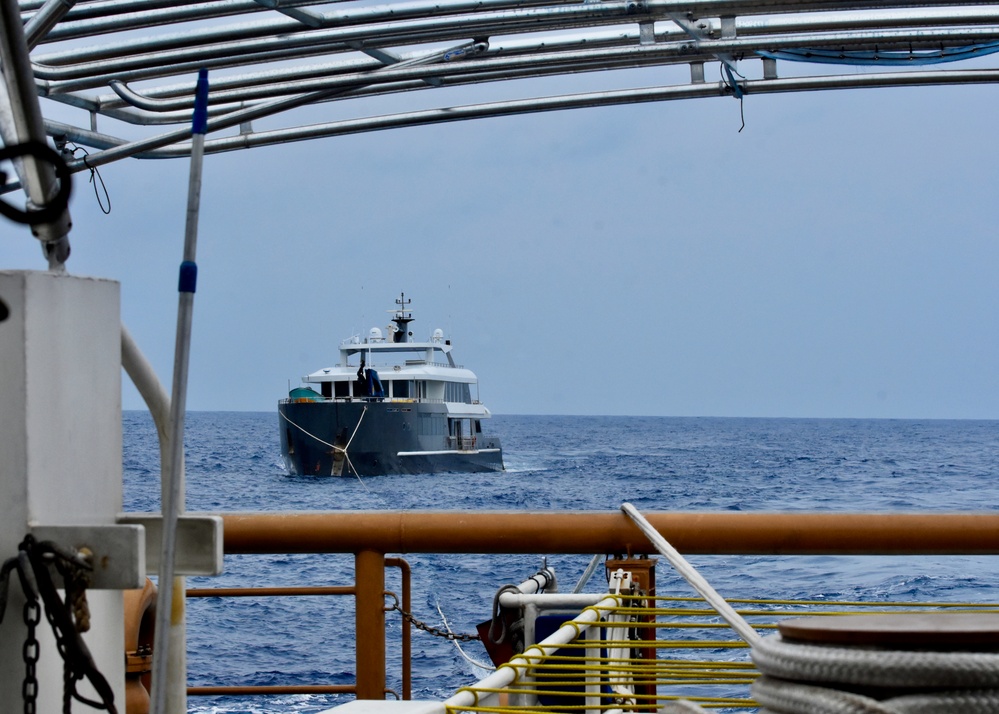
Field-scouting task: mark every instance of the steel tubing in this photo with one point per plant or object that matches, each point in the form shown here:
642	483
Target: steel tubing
305	591
21	122
369	624
84	22
519	665
151	148
271	690
280	79
612	532
407	639
350	76
74	71
201	44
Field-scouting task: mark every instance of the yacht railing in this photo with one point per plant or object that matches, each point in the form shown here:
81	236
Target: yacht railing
461	443
411	363
386	400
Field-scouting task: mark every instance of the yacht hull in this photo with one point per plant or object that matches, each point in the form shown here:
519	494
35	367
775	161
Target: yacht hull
370	438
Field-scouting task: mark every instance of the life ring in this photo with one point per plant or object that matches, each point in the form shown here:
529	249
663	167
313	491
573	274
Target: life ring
140	621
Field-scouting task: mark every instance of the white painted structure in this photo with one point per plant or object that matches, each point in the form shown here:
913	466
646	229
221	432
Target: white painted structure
60	441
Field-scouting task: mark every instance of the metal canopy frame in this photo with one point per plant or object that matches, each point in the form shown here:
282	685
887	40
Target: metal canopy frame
134	63
118	76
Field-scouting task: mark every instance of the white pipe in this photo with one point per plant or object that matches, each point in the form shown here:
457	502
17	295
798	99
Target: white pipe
145	380
507	674
685	569
550	601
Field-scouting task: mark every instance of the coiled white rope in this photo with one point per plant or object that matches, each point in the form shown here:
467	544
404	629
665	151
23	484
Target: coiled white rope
779	697
794	675
875	667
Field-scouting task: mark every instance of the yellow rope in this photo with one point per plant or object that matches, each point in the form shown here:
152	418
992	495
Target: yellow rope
579	676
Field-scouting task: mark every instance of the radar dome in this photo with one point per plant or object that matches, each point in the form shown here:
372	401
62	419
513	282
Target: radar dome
374	334
438	335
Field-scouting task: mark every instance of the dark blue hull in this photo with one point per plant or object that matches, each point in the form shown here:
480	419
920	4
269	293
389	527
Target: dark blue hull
325	438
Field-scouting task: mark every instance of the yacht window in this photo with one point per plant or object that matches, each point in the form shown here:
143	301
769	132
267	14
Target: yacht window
457	392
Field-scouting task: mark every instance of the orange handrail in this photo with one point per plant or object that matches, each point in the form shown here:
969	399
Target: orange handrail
369	592
611	532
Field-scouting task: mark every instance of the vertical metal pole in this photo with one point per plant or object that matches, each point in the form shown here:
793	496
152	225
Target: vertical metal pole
407	646
169	676
369	572
21	121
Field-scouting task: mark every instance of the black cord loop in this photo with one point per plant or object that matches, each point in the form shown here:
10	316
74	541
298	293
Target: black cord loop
51	211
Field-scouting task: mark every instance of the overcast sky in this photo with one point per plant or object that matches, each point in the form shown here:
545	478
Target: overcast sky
837	258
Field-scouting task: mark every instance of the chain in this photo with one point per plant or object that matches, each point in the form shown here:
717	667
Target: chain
68	618
436	632
29	690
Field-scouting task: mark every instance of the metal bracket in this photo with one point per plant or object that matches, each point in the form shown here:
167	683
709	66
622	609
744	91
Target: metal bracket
199	542
118	552
646	33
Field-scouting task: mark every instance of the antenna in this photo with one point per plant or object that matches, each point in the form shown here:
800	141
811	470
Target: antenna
402	319
402	302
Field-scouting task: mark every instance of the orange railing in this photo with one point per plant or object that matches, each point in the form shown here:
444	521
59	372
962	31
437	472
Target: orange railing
355	591
371	535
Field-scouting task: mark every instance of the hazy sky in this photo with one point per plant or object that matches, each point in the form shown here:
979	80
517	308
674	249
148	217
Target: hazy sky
837	258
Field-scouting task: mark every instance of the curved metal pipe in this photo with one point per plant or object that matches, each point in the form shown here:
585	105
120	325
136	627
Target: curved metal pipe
145	380
152	148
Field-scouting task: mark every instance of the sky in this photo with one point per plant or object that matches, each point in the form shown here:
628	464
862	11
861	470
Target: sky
835	258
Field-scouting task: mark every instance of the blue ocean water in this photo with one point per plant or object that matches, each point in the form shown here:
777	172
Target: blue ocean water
556	463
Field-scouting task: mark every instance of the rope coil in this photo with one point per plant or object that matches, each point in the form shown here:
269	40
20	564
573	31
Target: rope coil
826	679
870	667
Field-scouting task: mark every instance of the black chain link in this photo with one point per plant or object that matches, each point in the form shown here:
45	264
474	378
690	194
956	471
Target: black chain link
29	689
436	632
68	618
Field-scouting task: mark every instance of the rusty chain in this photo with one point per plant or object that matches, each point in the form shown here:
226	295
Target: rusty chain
435	631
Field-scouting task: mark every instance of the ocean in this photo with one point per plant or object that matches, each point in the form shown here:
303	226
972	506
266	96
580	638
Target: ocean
556	463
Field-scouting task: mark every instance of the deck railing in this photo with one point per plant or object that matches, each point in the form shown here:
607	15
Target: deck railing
328	590
372	535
